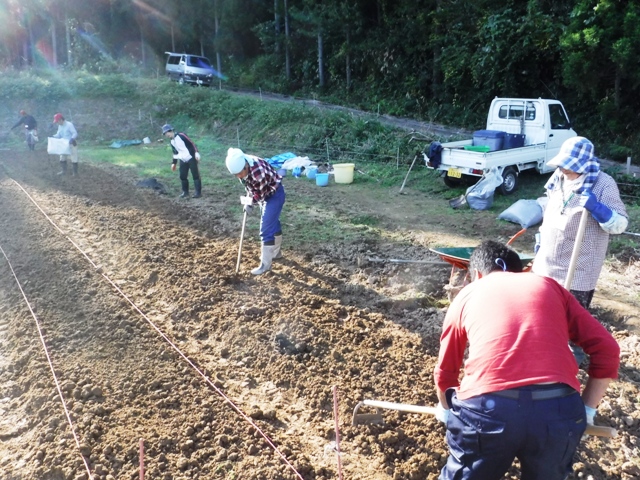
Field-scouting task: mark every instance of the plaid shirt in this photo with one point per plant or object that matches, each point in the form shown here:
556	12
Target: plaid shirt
556	243
262	180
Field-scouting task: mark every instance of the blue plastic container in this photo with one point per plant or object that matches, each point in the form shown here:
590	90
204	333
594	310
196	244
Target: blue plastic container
322	179
491	138
311	172
513	140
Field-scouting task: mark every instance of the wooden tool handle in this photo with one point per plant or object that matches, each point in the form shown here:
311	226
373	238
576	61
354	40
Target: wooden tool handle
402	407
599	431
595	430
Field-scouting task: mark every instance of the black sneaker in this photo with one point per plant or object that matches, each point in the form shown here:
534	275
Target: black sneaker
196	195
184	195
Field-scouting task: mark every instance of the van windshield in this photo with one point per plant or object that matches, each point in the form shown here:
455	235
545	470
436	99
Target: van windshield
200	62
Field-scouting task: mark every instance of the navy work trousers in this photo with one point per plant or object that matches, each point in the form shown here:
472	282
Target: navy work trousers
270	221
486	433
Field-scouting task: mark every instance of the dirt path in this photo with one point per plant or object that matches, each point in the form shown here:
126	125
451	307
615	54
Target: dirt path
275	345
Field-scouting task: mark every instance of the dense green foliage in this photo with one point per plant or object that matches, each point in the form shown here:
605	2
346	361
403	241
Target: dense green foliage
431	59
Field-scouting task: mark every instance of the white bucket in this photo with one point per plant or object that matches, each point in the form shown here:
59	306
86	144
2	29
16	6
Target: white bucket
343	172
146	140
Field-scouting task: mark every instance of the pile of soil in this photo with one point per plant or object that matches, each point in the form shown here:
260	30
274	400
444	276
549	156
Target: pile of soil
114	273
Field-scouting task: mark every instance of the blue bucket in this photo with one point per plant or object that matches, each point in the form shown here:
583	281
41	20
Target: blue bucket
311	172
322	179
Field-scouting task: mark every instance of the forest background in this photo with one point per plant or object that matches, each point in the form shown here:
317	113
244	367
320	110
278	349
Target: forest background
436	60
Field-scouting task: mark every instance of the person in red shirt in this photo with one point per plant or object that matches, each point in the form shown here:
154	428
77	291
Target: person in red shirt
264	187
519	396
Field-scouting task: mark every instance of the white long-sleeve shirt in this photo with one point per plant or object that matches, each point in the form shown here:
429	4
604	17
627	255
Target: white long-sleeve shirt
66	130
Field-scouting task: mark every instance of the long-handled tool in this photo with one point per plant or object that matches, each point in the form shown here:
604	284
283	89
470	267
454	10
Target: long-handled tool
244	222
576	249
408	172
376	418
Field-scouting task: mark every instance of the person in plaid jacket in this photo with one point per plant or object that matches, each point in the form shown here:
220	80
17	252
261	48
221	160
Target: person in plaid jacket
264	187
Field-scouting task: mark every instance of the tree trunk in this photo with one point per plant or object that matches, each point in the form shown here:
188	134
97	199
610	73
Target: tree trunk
68	38
32	45
287	55
435	71
173	40
617	94
348	60
320	61
142	54
216	24
54	43
276	21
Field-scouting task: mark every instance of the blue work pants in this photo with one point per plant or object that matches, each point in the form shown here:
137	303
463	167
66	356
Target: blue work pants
487	432
270	221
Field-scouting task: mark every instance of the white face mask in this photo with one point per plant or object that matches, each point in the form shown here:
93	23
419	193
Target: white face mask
574	184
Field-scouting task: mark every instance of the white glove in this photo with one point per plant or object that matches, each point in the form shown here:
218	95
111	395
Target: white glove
246	200
197	156
442	414
591	413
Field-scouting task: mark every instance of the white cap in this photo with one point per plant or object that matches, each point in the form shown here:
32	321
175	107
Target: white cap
235	161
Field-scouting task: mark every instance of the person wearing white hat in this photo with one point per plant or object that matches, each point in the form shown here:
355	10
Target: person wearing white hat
264	187
578	183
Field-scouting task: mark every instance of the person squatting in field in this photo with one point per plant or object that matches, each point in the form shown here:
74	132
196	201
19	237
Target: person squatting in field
520	395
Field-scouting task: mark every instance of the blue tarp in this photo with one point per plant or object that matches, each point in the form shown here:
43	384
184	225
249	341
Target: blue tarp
277	160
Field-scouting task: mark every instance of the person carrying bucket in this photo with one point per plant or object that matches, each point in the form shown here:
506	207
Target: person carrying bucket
264	187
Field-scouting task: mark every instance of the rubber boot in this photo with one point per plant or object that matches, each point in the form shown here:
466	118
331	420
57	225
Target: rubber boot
277	242
198	187
185	189
75	169
63	165
266	257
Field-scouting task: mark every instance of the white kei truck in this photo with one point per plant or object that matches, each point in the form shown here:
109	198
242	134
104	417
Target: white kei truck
521	134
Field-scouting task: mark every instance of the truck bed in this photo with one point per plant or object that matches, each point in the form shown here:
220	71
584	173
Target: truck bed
457	161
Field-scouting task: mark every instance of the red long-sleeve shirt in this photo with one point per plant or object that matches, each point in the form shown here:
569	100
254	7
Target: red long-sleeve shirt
517	326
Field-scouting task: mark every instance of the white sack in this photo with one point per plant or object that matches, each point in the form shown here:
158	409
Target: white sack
58	146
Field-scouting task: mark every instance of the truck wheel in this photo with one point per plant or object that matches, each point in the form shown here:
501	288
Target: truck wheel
451	182
510	181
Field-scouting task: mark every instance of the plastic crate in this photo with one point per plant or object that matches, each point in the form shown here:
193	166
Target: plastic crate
513	140
492	138
478	148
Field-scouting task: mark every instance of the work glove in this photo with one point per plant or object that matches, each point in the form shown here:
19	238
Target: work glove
197	156
536	247
591	413
598	210
73	142
442	414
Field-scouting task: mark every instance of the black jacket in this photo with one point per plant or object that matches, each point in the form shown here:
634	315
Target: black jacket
27	120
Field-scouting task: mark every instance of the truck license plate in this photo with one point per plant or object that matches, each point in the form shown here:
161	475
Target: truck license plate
454	173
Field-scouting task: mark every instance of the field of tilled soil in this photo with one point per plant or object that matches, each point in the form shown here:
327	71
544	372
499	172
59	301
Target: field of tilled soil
153	336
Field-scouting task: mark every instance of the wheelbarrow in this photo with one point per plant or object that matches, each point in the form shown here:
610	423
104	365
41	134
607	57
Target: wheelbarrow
458	258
